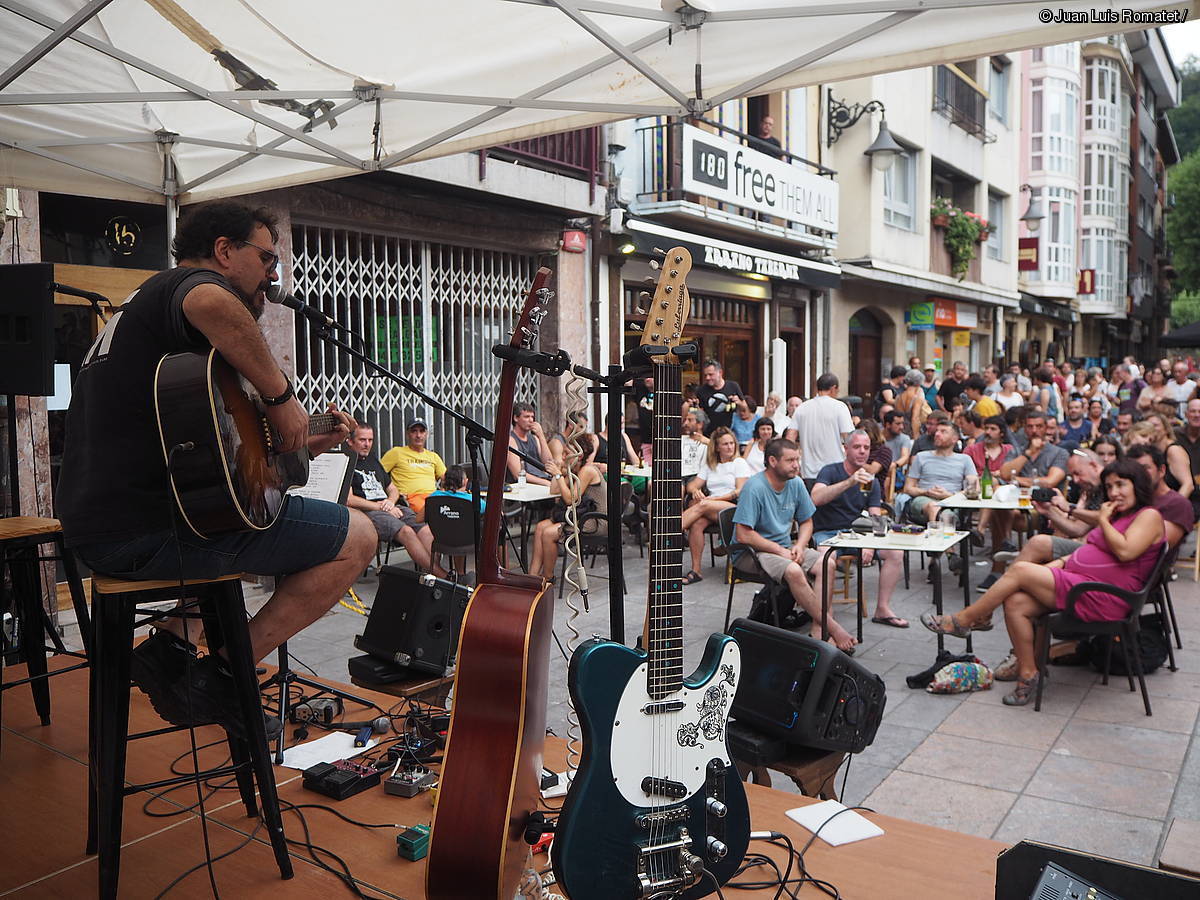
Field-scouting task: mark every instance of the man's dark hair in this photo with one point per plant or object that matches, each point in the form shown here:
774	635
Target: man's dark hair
957	431
973	417
199	230
1128	469
898	371
892	415
998	421
975	383
1134	415
826	382
454	479
1137	451
939	416
716	364
1014	416
521	407
1034	414
775	448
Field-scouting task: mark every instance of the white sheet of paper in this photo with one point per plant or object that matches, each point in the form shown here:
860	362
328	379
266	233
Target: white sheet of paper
325	476
334	746
845	829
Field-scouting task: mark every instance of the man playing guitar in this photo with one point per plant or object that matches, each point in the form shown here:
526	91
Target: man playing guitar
114	499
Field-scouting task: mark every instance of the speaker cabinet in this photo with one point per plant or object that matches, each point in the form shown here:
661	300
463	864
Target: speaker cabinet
415	620
27	329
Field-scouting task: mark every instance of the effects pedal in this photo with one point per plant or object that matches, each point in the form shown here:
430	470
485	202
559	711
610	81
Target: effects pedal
413	842
409	781
341	779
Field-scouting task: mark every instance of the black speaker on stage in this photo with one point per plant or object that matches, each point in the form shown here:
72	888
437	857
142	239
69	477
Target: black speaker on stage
27	329
415	620
805	691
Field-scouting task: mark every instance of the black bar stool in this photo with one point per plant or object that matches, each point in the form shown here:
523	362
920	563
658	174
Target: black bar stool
222	608
21	538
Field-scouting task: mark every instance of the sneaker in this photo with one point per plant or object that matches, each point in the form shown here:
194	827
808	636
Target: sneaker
1008	547
987	582
955	563
1007	670
1004	557
189	693
976	537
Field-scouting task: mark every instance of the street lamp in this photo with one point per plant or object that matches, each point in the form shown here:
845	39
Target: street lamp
841	116
1033	213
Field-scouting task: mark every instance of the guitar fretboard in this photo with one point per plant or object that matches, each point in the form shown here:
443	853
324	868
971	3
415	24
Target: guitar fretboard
665	644
322	423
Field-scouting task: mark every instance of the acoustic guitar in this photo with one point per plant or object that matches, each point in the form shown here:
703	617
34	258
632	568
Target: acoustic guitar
656	809
232	479
493	758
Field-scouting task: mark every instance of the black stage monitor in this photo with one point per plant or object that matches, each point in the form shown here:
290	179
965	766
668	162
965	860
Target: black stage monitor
415	620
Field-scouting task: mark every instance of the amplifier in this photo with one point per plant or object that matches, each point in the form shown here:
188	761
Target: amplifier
415	620
805	691
1058	883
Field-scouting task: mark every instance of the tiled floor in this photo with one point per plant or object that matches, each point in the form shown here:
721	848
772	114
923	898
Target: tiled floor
1090	771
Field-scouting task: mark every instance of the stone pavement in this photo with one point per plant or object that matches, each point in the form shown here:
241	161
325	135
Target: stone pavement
1090	771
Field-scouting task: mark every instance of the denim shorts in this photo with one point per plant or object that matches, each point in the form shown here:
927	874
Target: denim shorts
307	533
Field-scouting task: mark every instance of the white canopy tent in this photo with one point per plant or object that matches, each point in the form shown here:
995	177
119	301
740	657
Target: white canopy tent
165	100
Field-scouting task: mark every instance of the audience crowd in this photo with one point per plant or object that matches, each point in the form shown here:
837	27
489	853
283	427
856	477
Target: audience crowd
1110	460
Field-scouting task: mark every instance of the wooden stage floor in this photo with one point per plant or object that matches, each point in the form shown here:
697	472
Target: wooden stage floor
43	811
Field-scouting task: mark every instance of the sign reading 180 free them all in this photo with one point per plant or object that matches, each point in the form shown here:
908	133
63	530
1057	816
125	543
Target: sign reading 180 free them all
725	171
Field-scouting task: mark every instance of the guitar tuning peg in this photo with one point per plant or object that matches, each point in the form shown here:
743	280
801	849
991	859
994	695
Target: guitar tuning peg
660	251
649	279
634	326
654	264
643	296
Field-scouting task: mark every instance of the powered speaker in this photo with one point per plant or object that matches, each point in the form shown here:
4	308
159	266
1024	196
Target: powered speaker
415	620
805	691
27	329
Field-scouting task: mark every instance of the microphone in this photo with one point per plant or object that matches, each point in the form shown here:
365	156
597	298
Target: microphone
380	725
277	294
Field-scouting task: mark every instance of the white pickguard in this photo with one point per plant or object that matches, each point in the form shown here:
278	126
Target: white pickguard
673	745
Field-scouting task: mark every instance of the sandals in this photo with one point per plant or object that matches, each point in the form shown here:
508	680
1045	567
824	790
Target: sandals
1025	691
692	577
893	621
945	625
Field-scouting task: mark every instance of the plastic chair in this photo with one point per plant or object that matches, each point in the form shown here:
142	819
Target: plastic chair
452	523
1064	624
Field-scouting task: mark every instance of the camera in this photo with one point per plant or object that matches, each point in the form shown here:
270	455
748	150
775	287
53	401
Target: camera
1042	494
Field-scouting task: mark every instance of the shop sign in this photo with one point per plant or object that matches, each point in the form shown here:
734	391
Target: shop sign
742	259
722	170
1027	254
1086	283
952	314
747	262
961	339
919	316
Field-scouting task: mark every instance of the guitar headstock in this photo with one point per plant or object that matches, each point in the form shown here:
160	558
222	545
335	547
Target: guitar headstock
537	306
668	309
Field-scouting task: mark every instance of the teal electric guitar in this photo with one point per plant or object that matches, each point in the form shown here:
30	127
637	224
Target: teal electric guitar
656	807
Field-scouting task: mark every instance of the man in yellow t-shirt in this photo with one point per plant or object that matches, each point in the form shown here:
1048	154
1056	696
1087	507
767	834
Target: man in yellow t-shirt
975	389
414	470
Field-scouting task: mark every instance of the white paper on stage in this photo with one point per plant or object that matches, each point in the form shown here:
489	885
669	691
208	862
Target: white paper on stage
326	478
845	829
334	746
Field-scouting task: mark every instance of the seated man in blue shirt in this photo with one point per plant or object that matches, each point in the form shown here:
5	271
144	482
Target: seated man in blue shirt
843	492
769	502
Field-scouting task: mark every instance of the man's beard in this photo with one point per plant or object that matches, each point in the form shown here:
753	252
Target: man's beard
253	305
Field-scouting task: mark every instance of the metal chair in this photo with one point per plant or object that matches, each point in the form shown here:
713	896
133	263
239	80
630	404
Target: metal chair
736	576
1064	624
450	519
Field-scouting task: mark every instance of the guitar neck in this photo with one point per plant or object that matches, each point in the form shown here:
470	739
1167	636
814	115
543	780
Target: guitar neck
322	423
665	640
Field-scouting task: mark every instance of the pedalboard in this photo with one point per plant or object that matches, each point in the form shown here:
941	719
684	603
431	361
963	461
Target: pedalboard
341	779
413	842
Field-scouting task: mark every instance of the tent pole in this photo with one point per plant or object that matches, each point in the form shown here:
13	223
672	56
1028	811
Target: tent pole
170	186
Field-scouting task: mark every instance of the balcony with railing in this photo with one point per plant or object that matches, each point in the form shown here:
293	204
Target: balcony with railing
575	154
960	100
940	262
661	191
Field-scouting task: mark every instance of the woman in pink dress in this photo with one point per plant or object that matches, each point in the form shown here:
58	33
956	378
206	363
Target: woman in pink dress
1120	551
